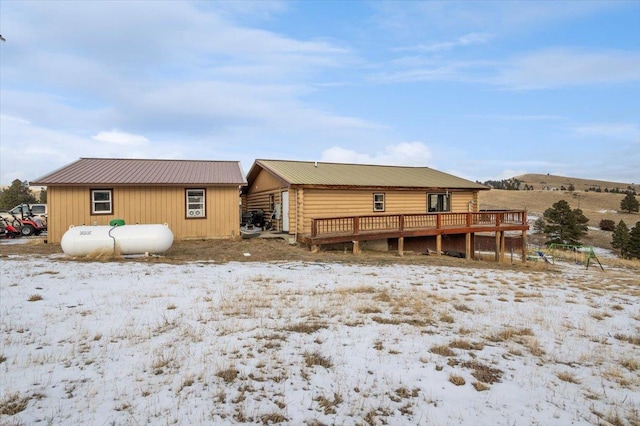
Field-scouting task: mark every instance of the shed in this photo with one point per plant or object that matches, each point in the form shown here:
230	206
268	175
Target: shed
197	199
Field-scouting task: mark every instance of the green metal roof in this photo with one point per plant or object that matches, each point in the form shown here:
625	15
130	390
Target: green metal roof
339	174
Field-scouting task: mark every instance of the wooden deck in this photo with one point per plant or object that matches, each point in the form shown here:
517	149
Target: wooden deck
377	227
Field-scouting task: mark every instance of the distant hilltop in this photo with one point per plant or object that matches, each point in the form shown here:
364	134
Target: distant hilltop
550	182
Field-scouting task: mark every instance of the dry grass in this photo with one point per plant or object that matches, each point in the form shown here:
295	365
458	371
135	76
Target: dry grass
442	350
13	404
634	340
316	358
228	374
483	373
480	387
457	380
630	364
567	376
509	333
466	345
35	297
417	322
329	405
306	328
595	205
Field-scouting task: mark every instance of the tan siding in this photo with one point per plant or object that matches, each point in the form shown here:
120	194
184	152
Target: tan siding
265	181
71	206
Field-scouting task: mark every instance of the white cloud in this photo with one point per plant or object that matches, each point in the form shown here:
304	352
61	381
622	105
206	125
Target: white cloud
626	131
421	69
518	117
425	18
554	68
43	150
120	138
462	41
7	118
402	154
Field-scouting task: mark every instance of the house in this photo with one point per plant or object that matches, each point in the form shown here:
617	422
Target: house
196	199
388	206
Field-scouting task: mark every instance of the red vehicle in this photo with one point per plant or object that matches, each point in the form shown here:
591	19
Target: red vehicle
30	225
10	230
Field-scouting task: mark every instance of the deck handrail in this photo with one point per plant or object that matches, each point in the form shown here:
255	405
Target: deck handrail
354	225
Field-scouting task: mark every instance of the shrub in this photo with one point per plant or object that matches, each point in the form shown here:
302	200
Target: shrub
607	225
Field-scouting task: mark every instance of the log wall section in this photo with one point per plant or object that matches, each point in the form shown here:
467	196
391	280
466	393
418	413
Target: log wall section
325	203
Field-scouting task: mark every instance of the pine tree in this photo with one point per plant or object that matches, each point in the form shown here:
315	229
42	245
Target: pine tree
538	226
629	203
43	195
563	225
620	237
16	194
633	245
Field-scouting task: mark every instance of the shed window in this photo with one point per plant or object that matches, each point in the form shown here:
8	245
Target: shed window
195	203
438	203
101	201
378	202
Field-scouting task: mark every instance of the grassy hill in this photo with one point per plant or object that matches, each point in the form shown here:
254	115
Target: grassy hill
595	205
539	181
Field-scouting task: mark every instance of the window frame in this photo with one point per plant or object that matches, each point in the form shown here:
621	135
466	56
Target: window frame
378	202
272	202
202	203
442	198
93	201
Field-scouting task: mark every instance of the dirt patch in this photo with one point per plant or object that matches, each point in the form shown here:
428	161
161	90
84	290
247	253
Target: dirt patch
254	250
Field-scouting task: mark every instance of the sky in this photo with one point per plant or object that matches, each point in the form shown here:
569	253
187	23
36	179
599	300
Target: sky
483	90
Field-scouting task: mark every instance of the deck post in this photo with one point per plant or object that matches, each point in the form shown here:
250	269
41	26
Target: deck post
503	245
438	244
468	246
497	254
401	246
524	246
356	247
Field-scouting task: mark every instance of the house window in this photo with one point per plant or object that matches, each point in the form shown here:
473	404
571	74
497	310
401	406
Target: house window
378	202
101	201
195	203
438	203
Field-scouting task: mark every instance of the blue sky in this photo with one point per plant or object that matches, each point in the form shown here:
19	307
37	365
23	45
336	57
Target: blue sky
483	90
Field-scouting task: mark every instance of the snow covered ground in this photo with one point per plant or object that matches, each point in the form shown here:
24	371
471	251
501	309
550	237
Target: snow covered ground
133	343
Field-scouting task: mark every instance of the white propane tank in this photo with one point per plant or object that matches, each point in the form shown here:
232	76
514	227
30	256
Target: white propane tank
125	239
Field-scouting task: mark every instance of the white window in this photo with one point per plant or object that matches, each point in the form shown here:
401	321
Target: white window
378	202
101	201
195	203
438	203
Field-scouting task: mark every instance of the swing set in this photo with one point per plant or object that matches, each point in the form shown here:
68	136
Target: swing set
581	254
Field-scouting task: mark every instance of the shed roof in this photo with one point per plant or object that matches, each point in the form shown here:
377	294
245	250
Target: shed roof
119	171
339	174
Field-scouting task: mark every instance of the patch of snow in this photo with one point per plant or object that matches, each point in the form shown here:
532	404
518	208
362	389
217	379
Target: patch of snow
315	343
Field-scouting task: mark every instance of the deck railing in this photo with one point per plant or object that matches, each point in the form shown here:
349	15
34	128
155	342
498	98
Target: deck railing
354	225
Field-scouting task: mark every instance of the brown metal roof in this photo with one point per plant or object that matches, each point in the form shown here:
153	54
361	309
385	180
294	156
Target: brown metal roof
337	174
119	171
